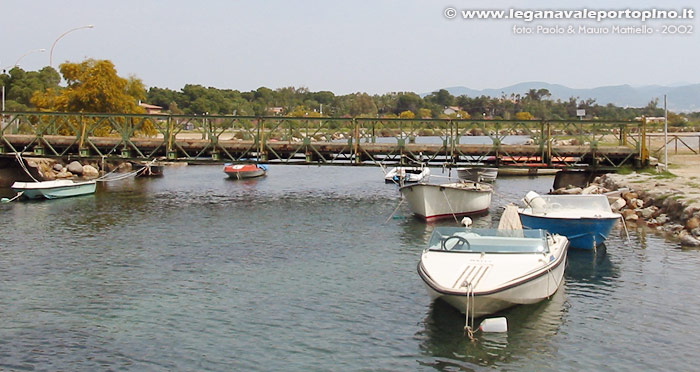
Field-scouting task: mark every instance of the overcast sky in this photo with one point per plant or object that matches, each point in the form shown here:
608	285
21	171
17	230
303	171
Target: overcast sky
344	46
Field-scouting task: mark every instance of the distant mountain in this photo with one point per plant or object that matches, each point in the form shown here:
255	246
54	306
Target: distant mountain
680	98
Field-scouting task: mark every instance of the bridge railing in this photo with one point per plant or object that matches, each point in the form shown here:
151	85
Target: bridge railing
322	139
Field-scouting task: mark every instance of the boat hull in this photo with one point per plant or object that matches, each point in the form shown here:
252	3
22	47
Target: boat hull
528	290
434	202
244	171
583	233
246	174
55	192
478	174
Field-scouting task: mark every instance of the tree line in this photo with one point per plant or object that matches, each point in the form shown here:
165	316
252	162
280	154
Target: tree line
94	86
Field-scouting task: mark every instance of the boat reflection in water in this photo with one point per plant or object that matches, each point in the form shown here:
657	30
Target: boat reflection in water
531	329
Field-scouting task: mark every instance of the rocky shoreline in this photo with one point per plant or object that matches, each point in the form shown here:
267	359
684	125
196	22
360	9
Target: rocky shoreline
48	169
667	204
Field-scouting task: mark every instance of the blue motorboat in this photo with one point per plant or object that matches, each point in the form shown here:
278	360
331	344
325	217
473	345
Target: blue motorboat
586	220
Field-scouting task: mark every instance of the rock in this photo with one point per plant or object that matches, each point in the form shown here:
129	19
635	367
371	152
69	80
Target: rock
648	212
630	195
64	174
692	223
630	215
592	189
695	232
662	219
573	190
75	168
689	240
125	167
636	203
673	228
618	204
57	167
90	172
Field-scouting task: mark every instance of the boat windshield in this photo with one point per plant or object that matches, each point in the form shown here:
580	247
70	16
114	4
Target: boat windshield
461	239
593	203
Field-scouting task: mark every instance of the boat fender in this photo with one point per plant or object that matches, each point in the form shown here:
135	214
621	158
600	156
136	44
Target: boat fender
466	221
494	325
534	201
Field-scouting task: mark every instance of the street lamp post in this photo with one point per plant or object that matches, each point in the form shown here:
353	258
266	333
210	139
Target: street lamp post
26	54
60	37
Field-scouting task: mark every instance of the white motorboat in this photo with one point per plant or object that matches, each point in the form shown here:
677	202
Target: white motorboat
586	220
478	174
54	189
450	200
492	269
403	175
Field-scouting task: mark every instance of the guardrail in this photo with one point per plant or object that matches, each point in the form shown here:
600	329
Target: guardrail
325	140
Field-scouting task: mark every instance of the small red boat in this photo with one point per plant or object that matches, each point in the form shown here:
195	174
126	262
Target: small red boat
241	171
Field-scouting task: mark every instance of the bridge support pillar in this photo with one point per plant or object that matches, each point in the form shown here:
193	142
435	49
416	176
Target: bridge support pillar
39	150
172	155
84	152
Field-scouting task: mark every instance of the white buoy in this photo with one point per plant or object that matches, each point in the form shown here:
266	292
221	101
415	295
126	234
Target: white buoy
466	221
494	325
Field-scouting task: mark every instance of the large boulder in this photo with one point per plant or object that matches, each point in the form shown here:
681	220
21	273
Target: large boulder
90	172
75	168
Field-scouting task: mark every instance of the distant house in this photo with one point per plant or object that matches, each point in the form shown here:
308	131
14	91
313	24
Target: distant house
275	110
449	110
652	119
151	109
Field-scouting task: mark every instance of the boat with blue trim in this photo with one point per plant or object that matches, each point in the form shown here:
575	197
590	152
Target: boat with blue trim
586	220
54	189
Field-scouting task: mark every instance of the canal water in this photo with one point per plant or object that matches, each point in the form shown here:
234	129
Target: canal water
306	270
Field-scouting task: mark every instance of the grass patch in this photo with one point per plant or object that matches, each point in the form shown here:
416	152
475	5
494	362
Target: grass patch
625	170
664	175
692	184
677	197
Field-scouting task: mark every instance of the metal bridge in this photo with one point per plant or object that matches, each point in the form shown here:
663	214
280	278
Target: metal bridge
562	144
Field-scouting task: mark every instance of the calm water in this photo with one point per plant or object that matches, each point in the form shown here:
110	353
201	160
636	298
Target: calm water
299	271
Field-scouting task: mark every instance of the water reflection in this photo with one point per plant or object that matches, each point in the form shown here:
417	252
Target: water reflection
530	329
592	267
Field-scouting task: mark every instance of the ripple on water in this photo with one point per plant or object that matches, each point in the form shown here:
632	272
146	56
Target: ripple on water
301	270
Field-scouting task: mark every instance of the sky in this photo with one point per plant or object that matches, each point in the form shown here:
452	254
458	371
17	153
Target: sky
375	46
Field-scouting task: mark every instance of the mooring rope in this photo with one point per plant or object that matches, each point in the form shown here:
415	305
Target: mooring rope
18	156
6	200
105	177
449	205
395	210
469	308
624	224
